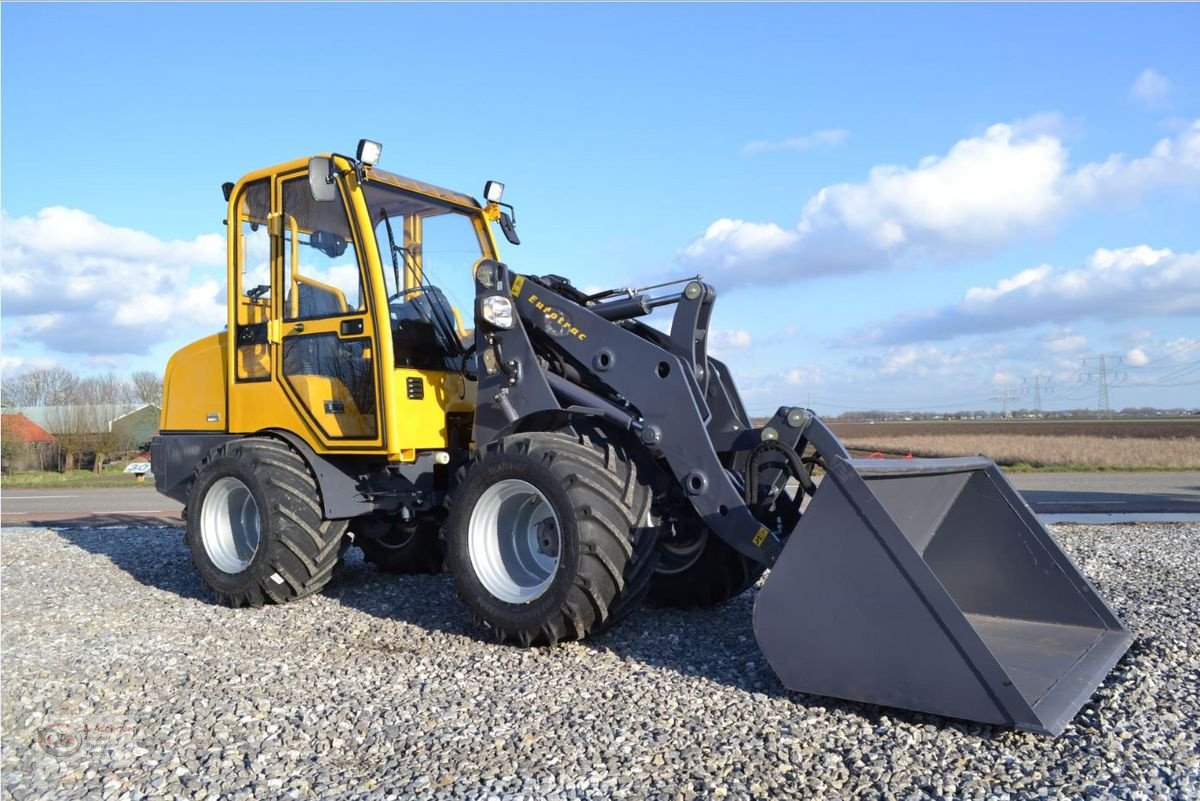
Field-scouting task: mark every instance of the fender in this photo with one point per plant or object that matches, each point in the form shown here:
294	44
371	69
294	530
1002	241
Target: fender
356	486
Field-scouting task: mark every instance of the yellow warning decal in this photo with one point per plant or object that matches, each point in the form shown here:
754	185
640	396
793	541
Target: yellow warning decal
518	283
760	537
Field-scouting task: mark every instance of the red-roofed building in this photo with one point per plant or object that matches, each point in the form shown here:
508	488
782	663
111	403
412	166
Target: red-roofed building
25	444
19	426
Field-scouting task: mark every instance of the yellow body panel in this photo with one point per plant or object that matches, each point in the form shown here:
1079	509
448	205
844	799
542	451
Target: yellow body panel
422	423
194	387
332	405
244	387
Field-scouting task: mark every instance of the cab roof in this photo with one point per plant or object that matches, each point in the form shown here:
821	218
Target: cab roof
400	182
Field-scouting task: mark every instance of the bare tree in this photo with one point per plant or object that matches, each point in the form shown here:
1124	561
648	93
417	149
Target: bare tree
84	424
70	428
108	388
148	386
41	386
99	396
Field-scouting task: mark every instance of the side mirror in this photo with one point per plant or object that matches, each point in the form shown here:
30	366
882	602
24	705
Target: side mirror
509	228
321	179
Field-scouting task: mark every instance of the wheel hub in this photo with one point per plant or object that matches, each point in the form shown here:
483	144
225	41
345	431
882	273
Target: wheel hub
515	541
230	525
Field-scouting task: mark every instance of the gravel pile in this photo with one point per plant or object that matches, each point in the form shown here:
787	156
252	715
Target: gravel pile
379	688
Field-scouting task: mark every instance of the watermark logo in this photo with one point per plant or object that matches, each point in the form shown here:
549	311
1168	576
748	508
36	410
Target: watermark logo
59	739
64	737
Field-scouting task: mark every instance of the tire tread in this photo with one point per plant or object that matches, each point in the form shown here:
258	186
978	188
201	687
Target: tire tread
301	546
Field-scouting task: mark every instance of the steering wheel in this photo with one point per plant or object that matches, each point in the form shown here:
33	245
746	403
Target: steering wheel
404	292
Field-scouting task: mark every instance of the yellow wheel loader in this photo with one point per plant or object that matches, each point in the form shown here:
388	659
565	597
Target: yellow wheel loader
563	461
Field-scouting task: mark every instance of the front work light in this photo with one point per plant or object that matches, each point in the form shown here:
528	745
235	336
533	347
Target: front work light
497	310
369	152
493	191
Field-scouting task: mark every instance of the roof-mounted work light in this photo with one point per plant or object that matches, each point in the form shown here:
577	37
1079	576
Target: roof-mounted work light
493	191
369	152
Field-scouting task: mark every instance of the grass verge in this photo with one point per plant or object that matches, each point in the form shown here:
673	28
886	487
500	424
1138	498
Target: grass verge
1025	453
50	479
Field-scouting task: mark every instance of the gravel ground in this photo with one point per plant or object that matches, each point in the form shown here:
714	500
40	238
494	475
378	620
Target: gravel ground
379	688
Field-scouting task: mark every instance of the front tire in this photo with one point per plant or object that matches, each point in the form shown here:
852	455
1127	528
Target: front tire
548	536
255	527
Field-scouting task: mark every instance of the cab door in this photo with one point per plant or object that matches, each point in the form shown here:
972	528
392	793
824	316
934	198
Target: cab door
328	367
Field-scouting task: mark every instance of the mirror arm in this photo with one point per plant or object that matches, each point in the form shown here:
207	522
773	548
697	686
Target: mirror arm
359	172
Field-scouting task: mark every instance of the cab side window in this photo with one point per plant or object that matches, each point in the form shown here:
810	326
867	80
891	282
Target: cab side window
253	285
320	265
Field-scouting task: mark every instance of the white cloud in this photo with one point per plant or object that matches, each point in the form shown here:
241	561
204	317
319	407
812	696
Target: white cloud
811	375
1137	357
735	244
726	340
1151	88
1162	354
1112	284
1118	181
10	364
1006	285
828	137
1065	341
1180	349
986	191
930	360
78	285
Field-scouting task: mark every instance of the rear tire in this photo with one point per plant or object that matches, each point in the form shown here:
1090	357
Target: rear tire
407	547
696	569
255	527
548	537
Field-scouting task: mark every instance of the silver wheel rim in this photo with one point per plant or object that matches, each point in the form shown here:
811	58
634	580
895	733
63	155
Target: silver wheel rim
515	541
677	556
229	525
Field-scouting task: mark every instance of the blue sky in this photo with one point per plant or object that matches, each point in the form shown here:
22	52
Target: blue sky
901	206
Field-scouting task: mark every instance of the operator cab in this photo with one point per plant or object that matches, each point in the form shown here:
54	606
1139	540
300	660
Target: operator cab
344	280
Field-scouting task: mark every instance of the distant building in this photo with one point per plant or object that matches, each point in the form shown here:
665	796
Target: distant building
26	445
132	423
25	430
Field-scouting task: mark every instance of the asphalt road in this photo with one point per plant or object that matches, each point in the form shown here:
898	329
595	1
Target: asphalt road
1110	493
108	506
1074	496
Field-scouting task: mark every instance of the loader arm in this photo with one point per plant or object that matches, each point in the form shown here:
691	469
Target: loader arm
570	357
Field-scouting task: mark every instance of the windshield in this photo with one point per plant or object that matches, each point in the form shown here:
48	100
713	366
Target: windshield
427	250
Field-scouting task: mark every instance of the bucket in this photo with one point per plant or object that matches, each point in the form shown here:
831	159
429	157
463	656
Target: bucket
930	585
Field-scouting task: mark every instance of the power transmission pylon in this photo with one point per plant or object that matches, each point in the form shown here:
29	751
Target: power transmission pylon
1005	396
1037	390
1106	372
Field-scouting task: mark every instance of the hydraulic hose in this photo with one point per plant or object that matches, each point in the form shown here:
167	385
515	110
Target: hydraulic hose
794	462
